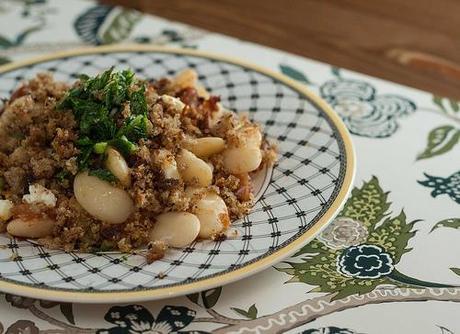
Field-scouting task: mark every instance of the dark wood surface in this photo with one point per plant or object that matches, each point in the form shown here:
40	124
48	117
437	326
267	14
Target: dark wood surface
413	42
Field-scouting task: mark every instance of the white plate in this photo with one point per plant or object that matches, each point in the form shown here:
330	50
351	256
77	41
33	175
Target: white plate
307	187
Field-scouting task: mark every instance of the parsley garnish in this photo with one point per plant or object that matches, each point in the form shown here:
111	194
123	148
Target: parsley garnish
137	102
103	174
96	103
134	128
62	175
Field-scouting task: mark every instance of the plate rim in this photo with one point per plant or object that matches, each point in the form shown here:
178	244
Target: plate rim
218	280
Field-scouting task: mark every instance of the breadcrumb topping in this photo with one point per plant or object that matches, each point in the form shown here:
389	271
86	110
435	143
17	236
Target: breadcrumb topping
39	160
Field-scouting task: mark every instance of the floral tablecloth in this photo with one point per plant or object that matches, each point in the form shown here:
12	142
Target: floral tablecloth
388	264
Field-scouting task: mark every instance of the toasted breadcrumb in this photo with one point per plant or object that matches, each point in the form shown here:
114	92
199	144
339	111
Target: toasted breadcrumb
38	154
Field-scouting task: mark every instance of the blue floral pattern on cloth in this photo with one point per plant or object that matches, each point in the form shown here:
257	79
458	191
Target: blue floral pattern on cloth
136	319
329	330
444	185
364	112
365	261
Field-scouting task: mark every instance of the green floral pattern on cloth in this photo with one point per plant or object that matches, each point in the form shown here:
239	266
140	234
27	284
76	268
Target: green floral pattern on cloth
365	263
358	260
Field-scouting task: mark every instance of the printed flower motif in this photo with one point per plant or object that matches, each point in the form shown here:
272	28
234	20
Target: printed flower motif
135	319
23	327
448	185
363	111
343	232
365	261
329	330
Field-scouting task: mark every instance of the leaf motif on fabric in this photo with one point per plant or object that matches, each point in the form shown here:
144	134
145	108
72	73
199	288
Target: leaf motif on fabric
251	313
21	37
450	223
207	298
120	27
456	271
5	42
445	330
103	24
294	73
367	204
446	105
65	308
67	311
440	140
393	235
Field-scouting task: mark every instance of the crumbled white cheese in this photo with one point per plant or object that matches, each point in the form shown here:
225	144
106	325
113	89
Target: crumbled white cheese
173	102
39	194
168	164
5	209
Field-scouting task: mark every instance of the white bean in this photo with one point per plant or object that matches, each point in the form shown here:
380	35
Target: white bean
5	209
242	159
189	78
167	163
213	215
101	199
252	136
193	170
216	116
204	147
186	78
116	164
173	102
177	229
30	228
202	92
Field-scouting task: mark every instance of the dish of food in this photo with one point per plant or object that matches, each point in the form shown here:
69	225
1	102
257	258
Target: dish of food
138	172
117	163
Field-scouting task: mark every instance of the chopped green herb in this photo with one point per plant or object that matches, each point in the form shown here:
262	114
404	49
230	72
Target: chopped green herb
62	175
18	135
84	157
105	246
100	147
124	146
137	102
116	90
96	102
134	128
86	148
84	141
2	183
103	174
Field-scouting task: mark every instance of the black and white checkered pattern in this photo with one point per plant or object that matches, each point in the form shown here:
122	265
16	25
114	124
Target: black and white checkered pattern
304	183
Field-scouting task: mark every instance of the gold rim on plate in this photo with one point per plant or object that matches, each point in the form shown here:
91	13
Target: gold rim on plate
225	278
